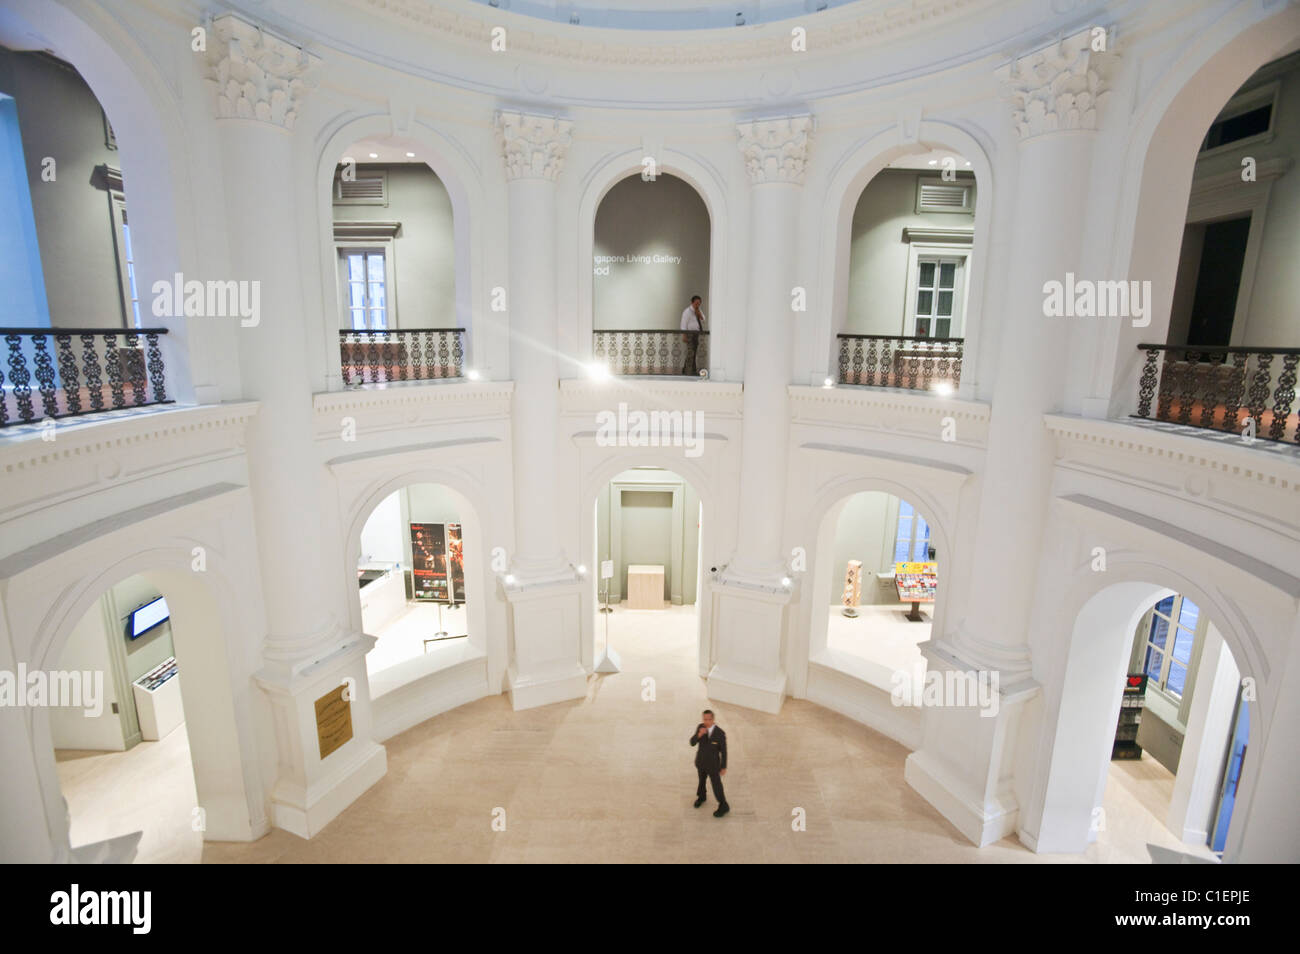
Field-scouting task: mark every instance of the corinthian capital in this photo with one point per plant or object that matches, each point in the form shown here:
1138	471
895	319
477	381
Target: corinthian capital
1060	87
775	150
256	75
533	147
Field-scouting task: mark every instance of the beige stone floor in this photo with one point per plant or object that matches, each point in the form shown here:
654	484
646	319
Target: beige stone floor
610	778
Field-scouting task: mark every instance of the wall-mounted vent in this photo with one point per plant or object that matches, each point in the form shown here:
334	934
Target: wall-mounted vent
367	188
936	195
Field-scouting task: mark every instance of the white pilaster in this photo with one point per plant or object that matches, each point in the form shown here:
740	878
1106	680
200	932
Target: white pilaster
749	605
964	766
258	81
543	590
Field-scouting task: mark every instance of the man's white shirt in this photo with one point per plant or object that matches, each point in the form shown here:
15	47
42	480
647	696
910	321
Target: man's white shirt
689	321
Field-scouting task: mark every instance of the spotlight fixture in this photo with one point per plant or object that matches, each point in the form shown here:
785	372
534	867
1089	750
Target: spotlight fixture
786	581
943	389
472	374
510	579
374	155
410	155
598	371
582	570
828	383
933	162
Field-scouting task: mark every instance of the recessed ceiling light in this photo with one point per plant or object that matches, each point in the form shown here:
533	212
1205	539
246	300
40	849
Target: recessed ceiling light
374	155
934	162
411	155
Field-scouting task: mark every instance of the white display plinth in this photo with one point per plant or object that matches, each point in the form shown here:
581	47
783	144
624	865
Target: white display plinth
159	709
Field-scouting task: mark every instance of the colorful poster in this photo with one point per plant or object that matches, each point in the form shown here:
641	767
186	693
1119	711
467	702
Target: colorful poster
428	562
456	562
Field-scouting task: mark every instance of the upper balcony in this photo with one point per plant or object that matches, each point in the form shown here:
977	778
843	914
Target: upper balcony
56	373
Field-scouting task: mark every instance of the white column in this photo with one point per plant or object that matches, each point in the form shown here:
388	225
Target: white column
965	765
543	589
1056	94
749	618
259	81
534	148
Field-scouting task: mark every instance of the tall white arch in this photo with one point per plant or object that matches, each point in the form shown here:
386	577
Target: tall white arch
708	184
471	218
851	174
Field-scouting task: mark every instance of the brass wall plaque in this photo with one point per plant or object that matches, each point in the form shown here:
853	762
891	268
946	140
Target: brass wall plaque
333	721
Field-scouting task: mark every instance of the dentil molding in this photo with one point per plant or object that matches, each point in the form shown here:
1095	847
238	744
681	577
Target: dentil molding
776	150
255	74
533	147
1060	87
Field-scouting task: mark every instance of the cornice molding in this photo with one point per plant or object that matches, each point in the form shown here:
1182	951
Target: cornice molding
841	31
1058	88
776	150
946	236
366	230
255	74
532	146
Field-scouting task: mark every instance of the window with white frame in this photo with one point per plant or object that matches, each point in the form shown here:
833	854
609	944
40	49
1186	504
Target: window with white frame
937	299
911	536
364	277
1170	638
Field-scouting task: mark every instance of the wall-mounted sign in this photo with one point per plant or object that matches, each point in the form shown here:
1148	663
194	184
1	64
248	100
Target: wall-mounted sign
333	721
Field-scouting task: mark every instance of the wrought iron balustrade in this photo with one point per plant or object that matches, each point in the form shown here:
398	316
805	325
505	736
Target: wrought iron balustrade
1221	388
67	372
401	354
896	361
652	351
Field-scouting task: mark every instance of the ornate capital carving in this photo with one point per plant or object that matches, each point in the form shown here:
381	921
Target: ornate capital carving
775	150
1058	88
256	75
533	147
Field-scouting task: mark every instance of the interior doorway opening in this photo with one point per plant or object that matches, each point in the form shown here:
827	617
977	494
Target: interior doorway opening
417	579
647	527
119	731
1151	739
879	588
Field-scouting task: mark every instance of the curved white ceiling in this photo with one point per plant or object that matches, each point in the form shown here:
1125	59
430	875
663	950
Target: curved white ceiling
663	14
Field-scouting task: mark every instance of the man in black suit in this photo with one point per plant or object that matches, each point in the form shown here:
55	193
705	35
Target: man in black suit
711	761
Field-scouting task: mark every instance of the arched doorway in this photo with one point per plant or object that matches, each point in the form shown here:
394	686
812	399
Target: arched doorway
647	537
1150	741
909	267
156	630
650	278
395	266
420	567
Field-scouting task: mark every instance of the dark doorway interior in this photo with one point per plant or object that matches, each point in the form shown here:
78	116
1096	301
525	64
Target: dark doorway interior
1217	282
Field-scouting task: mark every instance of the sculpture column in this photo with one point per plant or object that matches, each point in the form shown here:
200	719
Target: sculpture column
542	588
259	81
750	596
964	766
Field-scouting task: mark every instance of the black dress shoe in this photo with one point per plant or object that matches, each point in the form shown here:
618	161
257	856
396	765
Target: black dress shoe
722	810
699	801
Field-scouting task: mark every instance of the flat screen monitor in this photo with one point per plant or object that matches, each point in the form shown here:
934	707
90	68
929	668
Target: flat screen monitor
147	617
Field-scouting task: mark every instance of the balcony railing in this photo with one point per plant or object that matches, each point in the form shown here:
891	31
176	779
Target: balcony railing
895	361
401	354
67	372
643	351
1221	388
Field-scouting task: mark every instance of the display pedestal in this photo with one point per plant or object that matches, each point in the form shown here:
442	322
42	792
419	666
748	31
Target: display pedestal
748	627
310	790
545	627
